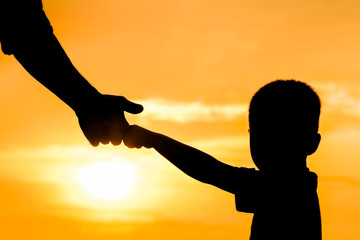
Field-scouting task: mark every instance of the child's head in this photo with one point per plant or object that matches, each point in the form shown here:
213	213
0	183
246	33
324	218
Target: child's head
283	122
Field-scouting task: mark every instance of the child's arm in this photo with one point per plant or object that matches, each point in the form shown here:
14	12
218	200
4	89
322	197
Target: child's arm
191	161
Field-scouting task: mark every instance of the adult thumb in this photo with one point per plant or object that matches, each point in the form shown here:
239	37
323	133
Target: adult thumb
131	107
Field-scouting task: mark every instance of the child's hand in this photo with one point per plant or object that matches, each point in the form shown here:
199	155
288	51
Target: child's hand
137	137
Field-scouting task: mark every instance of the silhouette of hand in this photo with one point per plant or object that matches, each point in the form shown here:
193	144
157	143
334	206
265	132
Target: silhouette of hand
137	137
103	120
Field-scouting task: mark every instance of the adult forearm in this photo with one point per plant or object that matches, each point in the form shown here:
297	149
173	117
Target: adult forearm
47	62
26	32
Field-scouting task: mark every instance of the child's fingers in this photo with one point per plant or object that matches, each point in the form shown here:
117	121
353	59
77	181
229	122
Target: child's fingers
129	143
131	138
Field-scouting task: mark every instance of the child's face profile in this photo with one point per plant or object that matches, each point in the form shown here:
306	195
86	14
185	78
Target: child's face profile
280	143
283	119
268	144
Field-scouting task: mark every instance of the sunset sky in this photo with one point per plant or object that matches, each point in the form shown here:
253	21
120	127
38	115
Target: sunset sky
194	65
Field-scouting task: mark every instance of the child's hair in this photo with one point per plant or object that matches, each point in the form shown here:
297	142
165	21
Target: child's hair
286	104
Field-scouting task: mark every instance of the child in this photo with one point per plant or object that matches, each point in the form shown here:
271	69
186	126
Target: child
283	127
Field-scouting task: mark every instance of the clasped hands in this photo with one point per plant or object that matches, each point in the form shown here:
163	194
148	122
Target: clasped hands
103	121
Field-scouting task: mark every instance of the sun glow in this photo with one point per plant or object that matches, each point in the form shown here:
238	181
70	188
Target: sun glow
107	181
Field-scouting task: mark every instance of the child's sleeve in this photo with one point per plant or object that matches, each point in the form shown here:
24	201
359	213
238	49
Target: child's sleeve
248	190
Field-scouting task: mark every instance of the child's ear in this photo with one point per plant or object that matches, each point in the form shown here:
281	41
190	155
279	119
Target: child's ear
313	143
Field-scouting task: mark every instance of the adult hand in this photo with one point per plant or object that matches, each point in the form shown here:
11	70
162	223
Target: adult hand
103	120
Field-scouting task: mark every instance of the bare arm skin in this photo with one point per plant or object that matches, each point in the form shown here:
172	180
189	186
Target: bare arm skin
193	162
48	63
26	33
101	117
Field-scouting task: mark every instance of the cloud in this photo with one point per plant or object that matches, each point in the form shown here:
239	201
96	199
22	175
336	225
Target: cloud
340	181
339	99
232	150
184	112
236	142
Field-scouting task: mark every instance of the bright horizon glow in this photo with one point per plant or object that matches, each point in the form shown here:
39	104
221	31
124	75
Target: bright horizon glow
107	181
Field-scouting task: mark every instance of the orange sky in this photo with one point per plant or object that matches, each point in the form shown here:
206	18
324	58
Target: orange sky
194	65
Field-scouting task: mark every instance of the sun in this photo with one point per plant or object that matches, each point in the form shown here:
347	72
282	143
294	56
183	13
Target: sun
107	181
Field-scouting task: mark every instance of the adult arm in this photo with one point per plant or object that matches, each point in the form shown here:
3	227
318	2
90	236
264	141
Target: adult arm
26	33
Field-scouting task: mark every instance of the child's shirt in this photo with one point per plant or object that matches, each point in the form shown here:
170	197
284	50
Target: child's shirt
283	207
